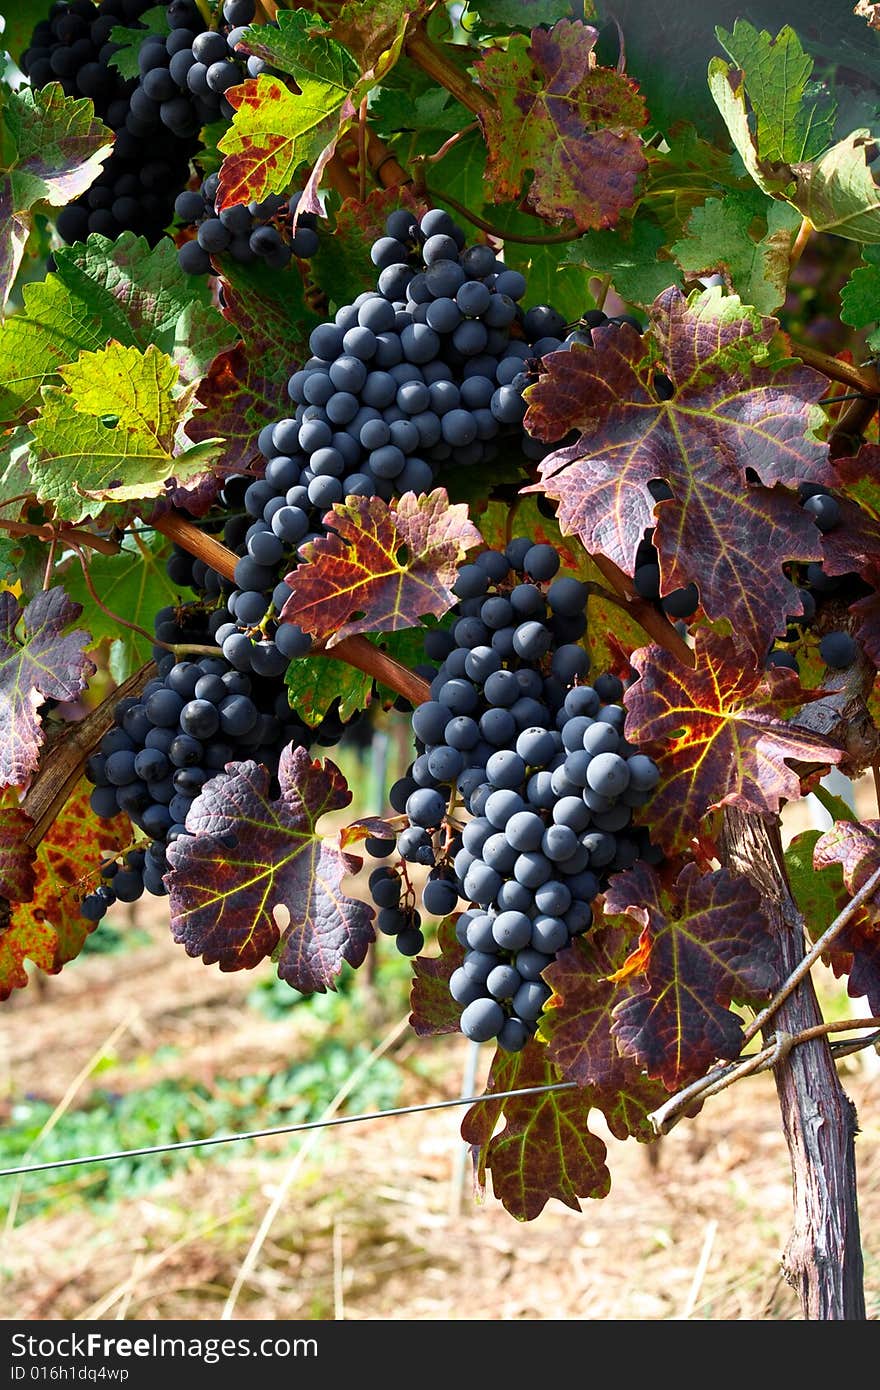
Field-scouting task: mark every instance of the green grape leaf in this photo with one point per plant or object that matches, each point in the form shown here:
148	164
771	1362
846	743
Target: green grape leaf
128	42
719	733
275	131
254	878
53	148
133	584
314	682
109	435
704	941
631	256
719	238
571	125
735	405
19	24
342	263
838	193
546	1149
384	566
819	893
40	659
503	16
104	289
48	928
789	128
576	1025
860	296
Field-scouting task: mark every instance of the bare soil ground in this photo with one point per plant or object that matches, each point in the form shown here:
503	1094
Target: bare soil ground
379	1220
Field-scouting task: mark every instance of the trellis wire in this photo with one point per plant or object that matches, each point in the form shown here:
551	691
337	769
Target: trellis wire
279	1129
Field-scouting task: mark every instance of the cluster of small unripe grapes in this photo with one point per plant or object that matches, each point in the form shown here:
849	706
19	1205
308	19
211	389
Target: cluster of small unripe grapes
521	797
244	232
192	719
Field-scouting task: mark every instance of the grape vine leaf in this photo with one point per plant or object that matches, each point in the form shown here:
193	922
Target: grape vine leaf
719	735
314	683
631	256
275	131
546	1149
241	391
860	296
820	893
855	846
576	1025
102	289
383	567
127	42
735	405
704	941
503	16
369	28
838	193
48	928
434	1011
52	147
17	876
18	26
39	660
133	584
253	877
572	125
110	434
719	238
788	127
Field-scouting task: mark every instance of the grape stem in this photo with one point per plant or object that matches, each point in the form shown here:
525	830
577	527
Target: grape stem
865	381
49	532
645	614
420	49
526	239
354	651
59	774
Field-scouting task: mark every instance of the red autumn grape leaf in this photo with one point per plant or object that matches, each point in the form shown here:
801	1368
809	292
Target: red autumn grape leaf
48	928
704	942
577	1024
855	846
16	856
364	827
241	390
719	735
855	953
571	125
734	406
434	1010
545	1149
44	662
253	878
384	566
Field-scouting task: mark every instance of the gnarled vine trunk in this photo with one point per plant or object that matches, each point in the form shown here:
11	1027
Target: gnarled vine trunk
823	1259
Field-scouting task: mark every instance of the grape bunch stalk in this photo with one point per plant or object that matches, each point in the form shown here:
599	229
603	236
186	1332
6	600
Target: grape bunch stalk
520	800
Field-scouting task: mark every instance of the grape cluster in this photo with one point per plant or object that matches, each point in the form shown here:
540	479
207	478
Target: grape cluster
184	75
538	762
149	163
191	720
824	596
245	232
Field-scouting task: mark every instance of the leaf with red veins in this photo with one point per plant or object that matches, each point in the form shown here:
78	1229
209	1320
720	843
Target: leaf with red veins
253	878
47	926
859	476
569	124
41	661
855	846
718	734
856	955
705	940
546	1148
735	407
577	1027
434	1011
17	877
383	567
